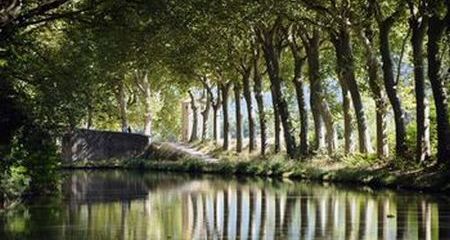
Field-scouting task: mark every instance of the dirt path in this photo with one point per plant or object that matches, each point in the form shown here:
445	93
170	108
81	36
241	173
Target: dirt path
192	152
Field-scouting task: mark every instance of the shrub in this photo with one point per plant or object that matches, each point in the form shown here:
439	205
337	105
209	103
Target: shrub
34	149
14	183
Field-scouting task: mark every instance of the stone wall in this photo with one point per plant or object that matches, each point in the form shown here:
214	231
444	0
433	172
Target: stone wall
92	145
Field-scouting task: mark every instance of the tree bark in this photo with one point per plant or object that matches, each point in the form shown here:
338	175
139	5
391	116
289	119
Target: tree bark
319	104
277	124
90	116
215	124
419	27
319	134
121	99
346	99
248	100
237	102
215	106
148	115
205	114
194	136
345	59
330	136
391	86
257	88
373	68
348	128
271	52
303	114
143	84
298	84
436	29
225	87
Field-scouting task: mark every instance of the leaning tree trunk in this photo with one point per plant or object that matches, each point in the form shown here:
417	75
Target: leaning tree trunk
257	88
248	101
373	69
225	87
346	99
271	54
298	84
344	53
423	148
121	99
436	29
391	88
304	146
237	102
205	115
194	136
318	100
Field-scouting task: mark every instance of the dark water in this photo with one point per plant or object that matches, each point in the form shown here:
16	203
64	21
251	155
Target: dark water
129	205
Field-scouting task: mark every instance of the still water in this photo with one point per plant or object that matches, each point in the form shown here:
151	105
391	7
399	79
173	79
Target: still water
131	205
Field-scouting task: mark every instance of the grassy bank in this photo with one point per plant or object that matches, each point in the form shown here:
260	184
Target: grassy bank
353	169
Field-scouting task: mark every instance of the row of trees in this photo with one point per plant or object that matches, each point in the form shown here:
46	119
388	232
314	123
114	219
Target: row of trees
70	64
328	66
394	52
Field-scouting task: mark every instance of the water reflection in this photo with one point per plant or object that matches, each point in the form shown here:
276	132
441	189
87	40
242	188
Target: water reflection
128	205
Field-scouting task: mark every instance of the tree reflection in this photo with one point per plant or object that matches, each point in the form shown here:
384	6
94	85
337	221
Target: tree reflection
144	206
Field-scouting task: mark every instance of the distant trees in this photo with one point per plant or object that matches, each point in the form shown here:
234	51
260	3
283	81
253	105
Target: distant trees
368	63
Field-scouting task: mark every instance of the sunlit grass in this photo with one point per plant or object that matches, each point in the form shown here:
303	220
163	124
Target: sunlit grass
353	168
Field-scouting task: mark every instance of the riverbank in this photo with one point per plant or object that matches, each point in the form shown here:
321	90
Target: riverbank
353	169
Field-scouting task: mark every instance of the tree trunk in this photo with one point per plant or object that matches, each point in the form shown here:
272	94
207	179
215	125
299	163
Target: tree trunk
194	131
348	132
330	136
257	88
436	29
319	104
319	134
304	146
89	117
272	55
121	99
373	68
148	116
423	148
298	84
225	87
345	59
391	88
215	124
277	124
205	114
237	102
249	104
346	99
215	105
143	84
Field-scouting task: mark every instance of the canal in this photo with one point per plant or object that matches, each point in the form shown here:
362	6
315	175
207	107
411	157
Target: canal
118	204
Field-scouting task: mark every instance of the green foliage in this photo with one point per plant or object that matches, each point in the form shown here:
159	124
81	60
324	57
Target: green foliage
36	152
14	183
68	73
